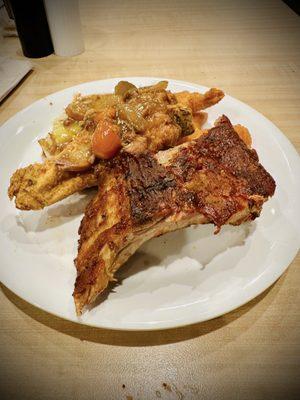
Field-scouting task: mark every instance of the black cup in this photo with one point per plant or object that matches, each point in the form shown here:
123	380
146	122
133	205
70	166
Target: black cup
32	26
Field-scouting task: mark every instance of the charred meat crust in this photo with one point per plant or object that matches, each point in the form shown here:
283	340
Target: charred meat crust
215	176
148	187
222	150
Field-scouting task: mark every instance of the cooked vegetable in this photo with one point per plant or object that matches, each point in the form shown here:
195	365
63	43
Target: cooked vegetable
105	100
48	146
161	85
62	133
123	87
106	138
133	115
80	105
75	111
76	155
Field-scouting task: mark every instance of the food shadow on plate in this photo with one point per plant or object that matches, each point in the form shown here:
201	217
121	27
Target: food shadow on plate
46	230
162	253
140	262
57	214
150	254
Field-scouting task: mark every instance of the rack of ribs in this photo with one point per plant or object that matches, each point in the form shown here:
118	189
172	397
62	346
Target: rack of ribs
214	179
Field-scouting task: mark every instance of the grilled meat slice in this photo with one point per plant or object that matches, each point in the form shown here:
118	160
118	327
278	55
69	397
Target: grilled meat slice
214	179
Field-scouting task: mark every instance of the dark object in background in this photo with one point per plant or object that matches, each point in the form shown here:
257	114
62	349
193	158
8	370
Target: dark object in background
294	5
8	8
32	26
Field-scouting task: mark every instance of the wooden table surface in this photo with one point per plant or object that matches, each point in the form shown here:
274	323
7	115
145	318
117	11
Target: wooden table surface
251	49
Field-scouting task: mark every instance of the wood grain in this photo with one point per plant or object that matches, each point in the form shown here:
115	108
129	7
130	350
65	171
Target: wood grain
251	49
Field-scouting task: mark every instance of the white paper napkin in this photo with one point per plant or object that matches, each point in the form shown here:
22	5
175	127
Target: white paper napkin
11	72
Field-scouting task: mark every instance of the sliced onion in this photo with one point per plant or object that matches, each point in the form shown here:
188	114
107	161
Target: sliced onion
123	87
130	114
77	155
161	85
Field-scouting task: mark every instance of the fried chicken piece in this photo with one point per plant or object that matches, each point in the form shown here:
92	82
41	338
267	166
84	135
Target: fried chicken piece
197	101
241	130
244	134
199	119
195	135
40	185
214	179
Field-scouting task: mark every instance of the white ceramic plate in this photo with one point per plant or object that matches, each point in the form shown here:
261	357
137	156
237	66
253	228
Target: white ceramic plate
180	278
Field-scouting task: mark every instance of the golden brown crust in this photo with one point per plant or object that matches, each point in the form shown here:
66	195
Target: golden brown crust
39	185
244	134
198	101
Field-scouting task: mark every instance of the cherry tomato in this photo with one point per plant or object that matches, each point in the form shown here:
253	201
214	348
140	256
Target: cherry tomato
106	140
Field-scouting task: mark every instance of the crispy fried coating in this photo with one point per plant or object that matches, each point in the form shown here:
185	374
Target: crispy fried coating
40	185
244	134
241	130
197	101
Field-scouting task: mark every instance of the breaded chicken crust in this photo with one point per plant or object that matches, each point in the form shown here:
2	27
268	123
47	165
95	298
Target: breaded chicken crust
40	185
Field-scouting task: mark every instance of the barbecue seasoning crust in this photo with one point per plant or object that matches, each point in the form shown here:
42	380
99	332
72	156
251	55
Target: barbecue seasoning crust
149	187
220	171
214	179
